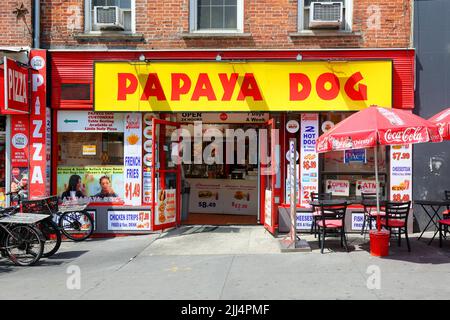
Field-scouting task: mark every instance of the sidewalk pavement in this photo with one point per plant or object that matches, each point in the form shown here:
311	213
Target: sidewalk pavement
230	262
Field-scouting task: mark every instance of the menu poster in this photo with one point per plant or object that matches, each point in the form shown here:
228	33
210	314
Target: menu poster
338	187
288	184
19	140
309	159
132	159
89	121
304	220
206	197
401	173
166	207
268	208
358	222
240	198
120	220
147	158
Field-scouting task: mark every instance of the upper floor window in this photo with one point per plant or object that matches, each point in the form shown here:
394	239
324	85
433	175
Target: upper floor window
216	15
328	15
110	15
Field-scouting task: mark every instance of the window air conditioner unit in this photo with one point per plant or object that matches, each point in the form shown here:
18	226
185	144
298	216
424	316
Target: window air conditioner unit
108	18
325	15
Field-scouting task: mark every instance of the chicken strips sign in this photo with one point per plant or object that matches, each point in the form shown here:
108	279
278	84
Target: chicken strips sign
242	86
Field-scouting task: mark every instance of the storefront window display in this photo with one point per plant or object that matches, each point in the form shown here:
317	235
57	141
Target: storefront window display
91	157
348	173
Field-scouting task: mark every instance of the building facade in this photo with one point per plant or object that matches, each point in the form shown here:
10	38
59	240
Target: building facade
124	75
431	40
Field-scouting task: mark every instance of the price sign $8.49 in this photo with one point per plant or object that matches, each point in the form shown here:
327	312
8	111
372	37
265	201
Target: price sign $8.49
204	204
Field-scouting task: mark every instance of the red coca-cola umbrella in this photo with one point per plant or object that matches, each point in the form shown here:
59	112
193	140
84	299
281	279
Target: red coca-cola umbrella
375	126
442	119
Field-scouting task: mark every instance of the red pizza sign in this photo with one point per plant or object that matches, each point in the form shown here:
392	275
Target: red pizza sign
16	86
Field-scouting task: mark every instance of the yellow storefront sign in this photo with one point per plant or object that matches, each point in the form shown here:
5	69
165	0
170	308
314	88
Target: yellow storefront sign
242	86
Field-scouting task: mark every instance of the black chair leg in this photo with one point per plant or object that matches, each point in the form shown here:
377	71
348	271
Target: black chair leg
440	235
323	241
407	239
364	224
399	237
345	239
320	244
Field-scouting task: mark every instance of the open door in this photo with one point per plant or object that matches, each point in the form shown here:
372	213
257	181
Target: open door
166	186
267	159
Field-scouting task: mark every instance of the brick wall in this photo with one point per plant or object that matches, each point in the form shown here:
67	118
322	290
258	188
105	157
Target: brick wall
376	23
14	31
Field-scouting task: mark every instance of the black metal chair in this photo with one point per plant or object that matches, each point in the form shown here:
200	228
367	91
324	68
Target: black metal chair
397	218
332	217
446	213
315	196
369	214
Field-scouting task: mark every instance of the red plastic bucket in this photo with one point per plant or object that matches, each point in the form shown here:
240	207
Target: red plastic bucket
379	243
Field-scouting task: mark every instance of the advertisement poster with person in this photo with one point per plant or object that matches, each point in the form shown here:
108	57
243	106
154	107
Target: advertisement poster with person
99	184
19	182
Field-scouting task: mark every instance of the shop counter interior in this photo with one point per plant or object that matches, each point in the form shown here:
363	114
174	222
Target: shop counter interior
223	196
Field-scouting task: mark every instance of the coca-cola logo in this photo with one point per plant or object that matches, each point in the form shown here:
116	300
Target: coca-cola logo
408	135
132	123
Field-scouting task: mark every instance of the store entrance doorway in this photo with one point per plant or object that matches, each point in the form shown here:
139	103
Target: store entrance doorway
166	175
221	174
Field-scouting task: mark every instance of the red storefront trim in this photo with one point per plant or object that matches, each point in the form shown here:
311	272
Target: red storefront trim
77	66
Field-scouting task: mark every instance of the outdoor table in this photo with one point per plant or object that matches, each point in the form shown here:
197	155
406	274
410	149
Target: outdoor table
63	208
333	202
23	218
372	202
436	206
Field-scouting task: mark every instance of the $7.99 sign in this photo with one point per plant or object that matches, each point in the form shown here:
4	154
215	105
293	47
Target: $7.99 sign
401	155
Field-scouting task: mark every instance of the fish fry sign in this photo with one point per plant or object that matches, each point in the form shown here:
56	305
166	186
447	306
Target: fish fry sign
242	86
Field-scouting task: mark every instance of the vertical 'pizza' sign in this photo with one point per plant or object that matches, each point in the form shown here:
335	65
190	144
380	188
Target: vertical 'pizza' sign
38	119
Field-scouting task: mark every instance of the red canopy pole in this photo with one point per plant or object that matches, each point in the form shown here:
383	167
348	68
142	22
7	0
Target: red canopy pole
377	188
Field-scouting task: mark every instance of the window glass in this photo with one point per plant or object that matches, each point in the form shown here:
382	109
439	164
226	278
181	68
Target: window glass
90	164
75	91
90	149
217	14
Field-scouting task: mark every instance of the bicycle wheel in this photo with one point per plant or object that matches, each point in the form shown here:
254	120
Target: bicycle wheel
52	237
76	226
24	245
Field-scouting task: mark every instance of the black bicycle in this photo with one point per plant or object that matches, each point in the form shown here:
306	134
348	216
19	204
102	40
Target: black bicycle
20	240
48	228
71	219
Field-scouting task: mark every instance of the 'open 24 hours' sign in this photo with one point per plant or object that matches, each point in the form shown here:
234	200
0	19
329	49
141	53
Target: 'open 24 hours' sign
242	86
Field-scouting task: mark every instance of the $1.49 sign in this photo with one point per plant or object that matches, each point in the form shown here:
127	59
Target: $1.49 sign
133	158
132	190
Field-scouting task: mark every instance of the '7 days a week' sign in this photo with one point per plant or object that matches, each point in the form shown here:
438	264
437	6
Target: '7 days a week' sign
242	86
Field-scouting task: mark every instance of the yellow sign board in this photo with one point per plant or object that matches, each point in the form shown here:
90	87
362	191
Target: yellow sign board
242	86
89	150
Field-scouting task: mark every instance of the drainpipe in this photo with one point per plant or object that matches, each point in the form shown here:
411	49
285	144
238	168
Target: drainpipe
36	24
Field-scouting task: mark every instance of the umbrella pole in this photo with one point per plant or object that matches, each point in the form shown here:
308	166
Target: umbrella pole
377	188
